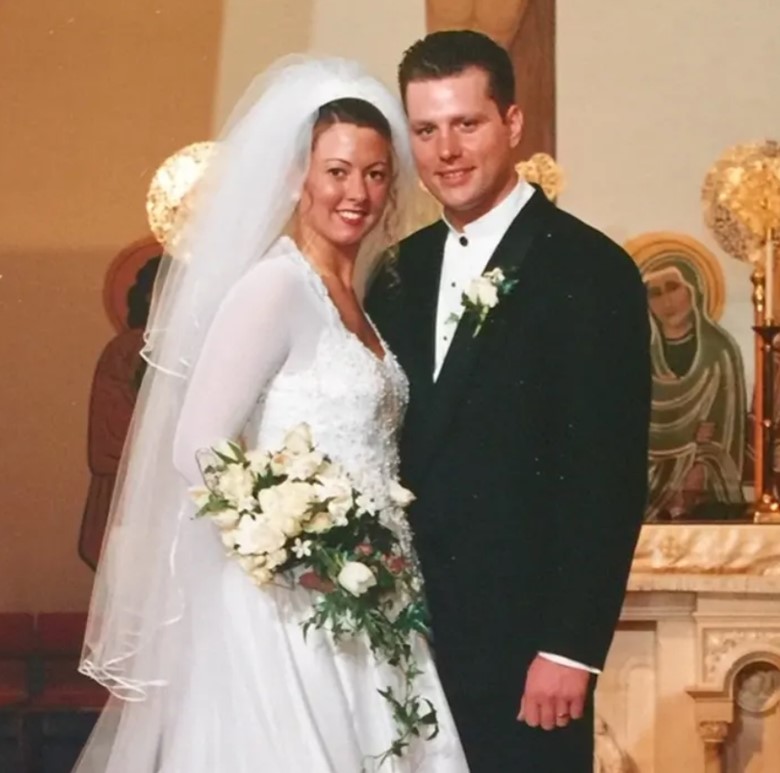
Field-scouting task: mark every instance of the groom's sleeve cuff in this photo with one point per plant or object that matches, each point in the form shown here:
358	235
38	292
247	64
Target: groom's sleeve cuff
560	660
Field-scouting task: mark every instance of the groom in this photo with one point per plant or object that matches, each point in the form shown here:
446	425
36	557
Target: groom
526	435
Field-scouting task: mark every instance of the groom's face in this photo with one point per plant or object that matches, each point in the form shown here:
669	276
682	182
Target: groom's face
462	143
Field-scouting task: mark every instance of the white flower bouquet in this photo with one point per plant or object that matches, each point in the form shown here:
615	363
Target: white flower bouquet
294	516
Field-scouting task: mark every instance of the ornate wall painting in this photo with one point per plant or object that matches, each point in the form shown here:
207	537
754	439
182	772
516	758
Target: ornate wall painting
127	294
698	430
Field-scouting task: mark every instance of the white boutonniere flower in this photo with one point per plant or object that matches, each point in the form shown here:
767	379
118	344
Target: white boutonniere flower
482	295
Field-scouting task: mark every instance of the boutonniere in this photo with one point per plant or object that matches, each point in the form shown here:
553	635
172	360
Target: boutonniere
483	295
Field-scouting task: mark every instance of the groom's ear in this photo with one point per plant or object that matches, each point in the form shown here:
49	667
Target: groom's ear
514	121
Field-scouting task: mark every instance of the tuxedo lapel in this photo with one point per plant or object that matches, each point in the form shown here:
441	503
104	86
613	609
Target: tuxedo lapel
509	256
423	291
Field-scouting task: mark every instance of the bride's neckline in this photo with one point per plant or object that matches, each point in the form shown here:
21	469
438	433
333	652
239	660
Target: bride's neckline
322	290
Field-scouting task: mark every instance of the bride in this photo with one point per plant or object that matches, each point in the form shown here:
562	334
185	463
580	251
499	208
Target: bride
253	332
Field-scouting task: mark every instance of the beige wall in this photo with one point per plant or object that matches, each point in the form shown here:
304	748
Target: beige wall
375	33
256	32
95	95
649	94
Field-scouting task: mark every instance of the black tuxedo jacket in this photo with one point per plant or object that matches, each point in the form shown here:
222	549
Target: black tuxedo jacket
528	455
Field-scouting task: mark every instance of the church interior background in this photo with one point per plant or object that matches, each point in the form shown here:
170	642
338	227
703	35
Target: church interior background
634	102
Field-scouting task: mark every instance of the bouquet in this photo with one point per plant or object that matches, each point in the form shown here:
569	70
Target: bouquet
294	516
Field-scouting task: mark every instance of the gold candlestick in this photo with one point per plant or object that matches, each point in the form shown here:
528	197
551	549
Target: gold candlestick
757	278
767	507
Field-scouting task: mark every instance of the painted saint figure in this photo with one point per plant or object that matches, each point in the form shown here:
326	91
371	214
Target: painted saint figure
697	432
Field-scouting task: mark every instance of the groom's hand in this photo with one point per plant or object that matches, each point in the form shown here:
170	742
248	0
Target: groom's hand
554	694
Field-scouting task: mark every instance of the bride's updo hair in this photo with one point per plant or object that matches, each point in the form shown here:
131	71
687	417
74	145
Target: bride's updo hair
351	110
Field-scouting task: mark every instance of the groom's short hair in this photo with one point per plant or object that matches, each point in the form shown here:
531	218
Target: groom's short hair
450	52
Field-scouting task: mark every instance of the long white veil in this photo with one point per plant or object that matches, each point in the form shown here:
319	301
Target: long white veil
136	637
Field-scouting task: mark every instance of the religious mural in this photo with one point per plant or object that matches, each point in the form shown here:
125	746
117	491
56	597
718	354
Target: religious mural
699	428
127	296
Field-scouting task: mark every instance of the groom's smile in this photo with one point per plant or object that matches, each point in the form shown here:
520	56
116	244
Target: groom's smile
455	176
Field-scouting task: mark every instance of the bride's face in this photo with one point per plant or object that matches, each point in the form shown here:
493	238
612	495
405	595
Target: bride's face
347	186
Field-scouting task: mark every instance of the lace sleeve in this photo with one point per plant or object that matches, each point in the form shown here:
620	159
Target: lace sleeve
246	346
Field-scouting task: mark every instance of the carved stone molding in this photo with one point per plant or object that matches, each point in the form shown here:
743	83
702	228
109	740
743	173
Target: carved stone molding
733	558
658	605
723	646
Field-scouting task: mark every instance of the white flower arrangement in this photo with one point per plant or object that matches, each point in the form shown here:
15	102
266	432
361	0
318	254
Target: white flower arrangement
295	514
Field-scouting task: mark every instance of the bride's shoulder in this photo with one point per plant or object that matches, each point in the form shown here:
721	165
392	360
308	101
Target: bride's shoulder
278	273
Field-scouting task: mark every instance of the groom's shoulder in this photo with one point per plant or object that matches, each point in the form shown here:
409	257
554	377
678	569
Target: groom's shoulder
587	246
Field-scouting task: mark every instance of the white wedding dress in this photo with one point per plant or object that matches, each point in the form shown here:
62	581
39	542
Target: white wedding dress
253	695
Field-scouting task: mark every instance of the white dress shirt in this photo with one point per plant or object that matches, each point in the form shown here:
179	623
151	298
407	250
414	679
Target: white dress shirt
466	254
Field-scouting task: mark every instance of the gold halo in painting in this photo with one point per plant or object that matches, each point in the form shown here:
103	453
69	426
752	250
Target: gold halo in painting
120	276
648	250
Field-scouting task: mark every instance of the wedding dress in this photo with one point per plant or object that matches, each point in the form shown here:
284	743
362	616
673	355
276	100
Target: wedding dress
251	694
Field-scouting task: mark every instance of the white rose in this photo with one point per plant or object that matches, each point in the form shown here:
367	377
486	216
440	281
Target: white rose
337	492
298	440
225	519
319	523
279	463
236	483
297	496
356	578
228	537
291	527
278	519
304	466
400	496
246	505
482	292
262	576
339	509
333	487
270	501
277	558
251	563
290	499
255	536
258	461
